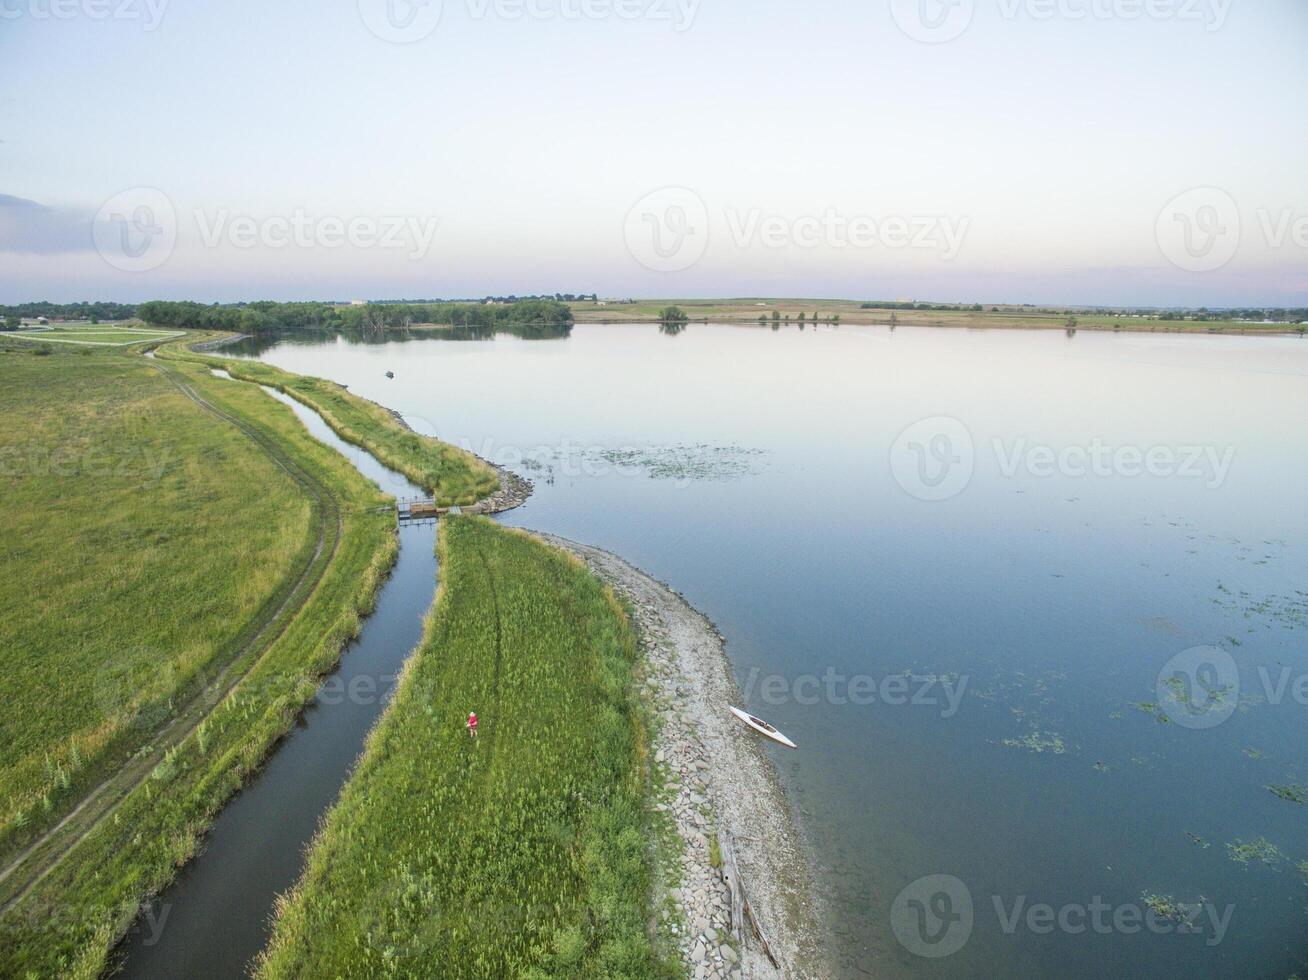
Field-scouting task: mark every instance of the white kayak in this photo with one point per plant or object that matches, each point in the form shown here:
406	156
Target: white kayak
763	728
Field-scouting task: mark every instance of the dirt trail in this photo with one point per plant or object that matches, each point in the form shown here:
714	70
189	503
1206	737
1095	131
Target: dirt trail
36	861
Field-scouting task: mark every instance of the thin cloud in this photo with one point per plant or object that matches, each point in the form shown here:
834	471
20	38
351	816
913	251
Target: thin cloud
31	228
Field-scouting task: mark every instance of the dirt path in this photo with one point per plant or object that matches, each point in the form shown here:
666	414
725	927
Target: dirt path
725	786
35	862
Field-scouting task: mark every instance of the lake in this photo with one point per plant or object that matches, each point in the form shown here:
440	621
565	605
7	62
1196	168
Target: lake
1032	605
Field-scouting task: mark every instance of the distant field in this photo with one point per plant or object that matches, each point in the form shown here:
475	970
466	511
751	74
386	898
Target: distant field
747	310
90	334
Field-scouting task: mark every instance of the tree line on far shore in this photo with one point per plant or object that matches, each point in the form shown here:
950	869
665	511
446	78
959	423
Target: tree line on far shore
269	317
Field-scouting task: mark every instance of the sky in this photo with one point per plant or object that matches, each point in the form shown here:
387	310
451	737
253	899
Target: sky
1115	152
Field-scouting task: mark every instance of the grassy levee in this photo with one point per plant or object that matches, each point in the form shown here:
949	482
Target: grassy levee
65	907
452	475
522	853
143	543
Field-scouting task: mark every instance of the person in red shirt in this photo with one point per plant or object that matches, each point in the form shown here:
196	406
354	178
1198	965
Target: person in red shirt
472	724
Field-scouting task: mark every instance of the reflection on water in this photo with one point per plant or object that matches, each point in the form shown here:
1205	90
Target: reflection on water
254	345
967	571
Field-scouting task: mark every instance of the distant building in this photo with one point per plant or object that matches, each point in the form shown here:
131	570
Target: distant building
358	302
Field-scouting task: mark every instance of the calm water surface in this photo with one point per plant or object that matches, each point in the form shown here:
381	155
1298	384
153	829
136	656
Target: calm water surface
973	680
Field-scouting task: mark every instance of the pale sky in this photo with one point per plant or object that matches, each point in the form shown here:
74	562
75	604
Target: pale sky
1048	151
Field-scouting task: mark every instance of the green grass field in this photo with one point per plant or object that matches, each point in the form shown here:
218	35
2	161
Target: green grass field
80	888
522	853
91	335
452	475
139	536
187	570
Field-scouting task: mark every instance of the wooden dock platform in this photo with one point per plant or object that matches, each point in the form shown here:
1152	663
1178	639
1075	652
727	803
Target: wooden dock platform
411	510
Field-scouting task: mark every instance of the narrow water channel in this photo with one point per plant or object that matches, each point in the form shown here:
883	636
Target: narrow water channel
215	918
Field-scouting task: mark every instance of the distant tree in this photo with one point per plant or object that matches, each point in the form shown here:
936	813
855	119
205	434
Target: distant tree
836	319
12	322
94	318
762	318
673	316
776	316
894	320
801	316
1071	323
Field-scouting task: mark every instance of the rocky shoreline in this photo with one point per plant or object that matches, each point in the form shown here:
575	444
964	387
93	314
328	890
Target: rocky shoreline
721	791
513	492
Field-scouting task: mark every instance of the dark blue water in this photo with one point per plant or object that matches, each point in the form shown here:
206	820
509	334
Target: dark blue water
966	644
216	917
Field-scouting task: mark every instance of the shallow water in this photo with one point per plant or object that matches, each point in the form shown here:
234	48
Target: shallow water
1027	754
215	918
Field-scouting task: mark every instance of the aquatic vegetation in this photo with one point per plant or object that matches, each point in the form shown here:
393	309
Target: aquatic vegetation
1038	741
680	463
1167	908
1154	709
1178	692
1289	611
1253	753
1292	793
1258	851
683	462
521	853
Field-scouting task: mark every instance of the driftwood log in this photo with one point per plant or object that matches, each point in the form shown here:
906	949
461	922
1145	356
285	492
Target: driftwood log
741	912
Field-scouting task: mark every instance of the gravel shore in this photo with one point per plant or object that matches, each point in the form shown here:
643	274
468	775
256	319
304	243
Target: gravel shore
721	786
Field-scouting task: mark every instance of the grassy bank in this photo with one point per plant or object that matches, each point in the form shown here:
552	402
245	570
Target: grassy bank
142	540
522	853
79	890
452	475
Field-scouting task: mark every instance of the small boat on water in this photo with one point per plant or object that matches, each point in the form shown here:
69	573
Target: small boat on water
763	728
